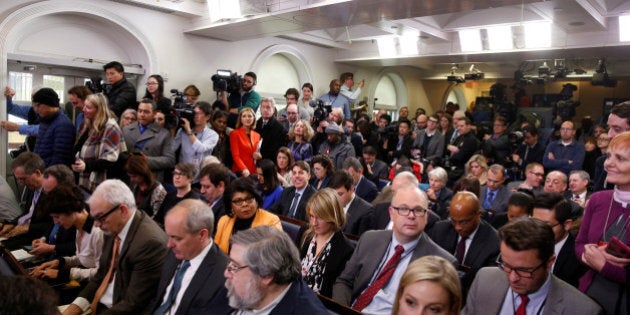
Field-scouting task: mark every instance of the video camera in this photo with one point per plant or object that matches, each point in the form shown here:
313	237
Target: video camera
96	85
181	109
225	80
321	112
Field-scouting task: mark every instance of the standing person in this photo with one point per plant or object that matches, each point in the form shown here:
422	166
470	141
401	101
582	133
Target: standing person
270	129
347	82
335	99
122	95
325	250
263	276
155	91
244	142
222	149
606	217
246	97
299	141
523	283
148	138
566	154
56	132
133	254
429	141
618	122
195	139
307	103
461	149
76	96
99	144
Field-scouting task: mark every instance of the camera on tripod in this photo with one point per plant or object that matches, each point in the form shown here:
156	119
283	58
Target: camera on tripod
181	109
321	112
225	80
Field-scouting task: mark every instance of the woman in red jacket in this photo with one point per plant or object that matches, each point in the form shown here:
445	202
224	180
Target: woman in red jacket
244	142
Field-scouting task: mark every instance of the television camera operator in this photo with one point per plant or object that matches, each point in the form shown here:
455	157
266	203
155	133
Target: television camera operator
236	93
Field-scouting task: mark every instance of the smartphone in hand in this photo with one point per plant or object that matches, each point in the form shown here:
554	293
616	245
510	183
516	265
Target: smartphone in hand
618	248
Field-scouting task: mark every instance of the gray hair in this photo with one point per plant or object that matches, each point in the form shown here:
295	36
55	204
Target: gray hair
497	169
115	192
354	163
440	174
269	252
407	177
583	174
268	99
210	159
198	216
562	175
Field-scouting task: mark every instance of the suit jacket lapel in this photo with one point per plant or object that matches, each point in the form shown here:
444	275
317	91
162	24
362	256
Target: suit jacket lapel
135	223
554	301
201	277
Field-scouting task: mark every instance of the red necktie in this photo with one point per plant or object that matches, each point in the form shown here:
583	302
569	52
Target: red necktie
522	309
366	297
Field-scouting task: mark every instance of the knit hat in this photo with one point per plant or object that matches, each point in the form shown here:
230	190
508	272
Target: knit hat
333	129
46	96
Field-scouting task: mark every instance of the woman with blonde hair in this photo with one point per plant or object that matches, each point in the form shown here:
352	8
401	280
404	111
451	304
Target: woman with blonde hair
244	142
299	141
478	166
99	143
430	285
325	250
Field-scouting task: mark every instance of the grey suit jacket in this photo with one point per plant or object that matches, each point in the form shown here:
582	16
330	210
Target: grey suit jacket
155	143
491	285
367	256
500	200
436	146
358	217
138	269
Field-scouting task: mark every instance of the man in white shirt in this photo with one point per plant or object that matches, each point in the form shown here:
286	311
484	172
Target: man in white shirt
578	182
192	278
347	82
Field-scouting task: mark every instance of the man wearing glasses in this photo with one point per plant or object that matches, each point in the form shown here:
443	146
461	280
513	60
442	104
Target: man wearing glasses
371	277
134	250
534	176
263	275
471	240
523	283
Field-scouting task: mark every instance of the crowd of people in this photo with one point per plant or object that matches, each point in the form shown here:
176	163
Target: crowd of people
155	209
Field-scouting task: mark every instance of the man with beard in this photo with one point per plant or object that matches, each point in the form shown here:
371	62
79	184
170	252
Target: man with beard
264	277
337	150
335	99
246	97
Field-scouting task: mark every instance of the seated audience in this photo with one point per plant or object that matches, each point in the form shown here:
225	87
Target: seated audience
334	147
148	193
439	195
268	183
243	211
325	250
363	188
292	203
375	169
183	176
214	180
358	212
534	176
467	182
429	285
284	162
578	187
9	206
520	204
23	295
323	170
478	166
263	275
523	283
494	194
129	116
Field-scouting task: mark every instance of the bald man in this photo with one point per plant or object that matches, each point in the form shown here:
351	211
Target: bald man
472	241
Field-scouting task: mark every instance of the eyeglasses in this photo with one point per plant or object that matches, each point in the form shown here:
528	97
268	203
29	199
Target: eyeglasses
537	174
521	272
151	83
417	212
176	173
232	268
101	218
603	139
242	200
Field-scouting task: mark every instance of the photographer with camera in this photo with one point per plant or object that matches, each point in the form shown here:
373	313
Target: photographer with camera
239	99
122	94
195	138
335	99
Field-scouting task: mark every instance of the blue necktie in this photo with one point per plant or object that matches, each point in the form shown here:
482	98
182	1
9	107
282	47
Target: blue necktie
487	204
52	238
177	283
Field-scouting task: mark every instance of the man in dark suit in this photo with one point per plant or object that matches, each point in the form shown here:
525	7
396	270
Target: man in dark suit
401	143
557	182
471	240
135	245
148	138
578	187
270	129
461	149
375	170
494	195
358	211
192	278
362	186
522	284
429	142
292	202
213	179
530	151
556	211
264	274
360	285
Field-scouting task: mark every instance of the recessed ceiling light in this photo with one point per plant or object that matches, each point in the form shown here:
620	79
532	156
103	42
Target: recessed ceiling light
576	23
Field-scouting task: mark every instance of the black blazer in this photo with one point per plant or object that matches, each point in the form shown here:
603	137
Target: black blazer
283	205
443	202
299	300
340	252
358	217
483	250
219	211
366	189
380	217
273	135
535	154
206	293
567	266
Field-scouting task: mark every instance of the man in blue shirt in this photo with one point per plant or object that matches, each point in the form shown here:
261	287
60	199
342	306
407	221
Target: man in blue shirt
566	154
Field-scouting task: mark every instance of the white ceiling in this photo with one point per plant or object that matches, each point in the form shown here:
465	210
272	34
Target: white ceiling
583	31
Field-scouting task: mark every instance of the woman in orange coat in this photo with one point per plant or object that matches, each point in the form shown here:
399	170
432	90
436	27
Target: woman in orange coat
244	142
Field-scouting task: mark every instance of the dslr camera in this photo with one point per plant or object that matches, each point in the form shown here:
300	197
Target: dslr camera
321	112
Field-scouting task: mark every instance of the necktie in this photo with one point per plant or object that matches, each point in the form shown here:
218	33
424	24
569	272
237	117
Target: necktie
177	284
522	309
460	253
576	198
294	205
454	136
487	204
383	277
142	129
108	276
52	237
525	155
27	217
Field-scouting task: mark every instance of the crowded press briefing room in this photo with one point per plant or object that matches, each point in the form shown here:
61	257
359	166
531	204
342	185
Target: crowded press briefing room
272	157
